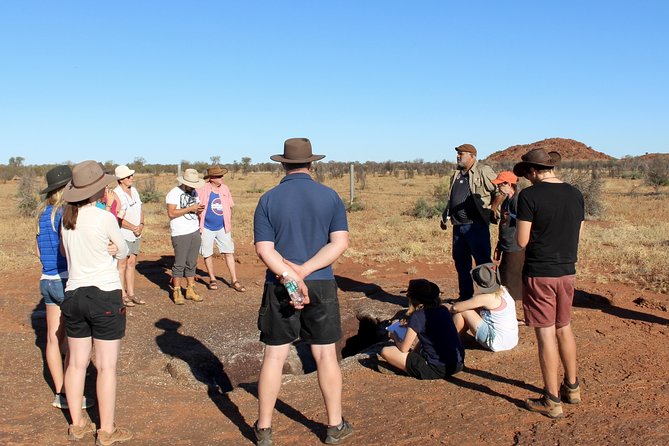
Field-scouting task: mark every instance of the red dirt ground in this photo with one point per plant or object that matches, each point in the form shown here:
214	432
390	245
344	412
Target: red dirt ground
166	395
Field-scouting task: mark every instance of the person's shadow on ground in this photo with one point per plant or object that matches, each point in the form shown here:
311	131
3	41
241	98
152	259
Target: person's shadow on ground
205	367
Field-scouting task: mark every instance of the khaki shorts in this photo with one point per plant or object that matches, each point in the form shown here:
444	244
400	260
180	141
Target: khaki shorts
133	247
547	300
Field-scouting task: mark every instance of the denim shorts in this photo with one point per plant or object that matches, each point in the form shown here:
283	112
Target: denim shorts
485	334
319	322
52	290
92	312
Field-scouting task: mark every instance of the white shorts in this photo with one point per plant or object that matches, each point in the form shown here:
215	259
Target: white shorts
223	241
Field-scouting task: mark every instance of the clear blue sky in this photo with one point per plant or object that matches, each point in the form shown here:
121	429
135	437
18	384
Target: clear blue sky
364	80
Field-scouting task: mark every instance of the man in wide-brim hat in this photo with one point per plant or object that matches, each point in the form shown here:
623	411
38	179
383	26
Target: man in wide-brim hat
300	230
216	225
550	221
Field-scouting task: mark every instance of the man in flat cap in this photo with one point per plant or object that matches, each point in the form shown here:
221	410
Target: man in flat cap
300	230
468	209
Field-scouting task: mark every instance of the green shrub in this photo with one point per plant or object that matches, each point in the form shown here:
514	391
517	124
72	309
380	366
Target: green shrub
148	192
27	196
422	209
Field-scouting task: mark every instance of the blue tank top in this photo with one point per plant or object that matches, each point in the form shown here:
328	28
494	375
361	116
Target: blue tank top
213	218
48	243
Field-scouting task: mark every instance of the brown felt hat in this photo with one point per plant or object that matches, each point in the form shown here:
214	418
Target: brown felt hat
537	158
215	171
57	178
88	178
466	148
296	151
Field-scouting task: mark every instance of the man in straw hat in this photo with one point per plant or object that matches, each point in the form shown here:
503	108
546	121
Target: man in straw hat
468	208
216	225
183	208
550	221
300	229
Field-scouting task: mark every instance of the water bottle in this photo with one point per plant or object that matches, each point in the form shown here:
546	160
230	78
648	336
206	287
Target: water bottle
293	290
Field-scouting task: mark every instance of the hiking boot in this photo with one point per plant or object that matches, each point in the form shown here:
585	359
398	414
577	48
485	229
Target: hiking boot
337	434
569	395
545	406
78	432
178	296
263	436
60	402
192	295
118	435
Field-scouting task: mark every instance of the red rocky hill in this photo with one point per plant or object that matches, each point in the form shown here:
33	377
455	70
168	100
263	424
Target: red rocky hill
570	150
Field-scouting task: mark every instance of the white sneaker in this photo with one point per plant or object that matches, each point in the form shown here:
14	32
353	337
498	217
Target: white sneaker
60	402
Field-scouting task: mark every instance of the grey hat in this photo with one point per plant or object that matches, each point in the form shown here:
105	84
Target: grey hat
57	178
486	277
296	151
88	178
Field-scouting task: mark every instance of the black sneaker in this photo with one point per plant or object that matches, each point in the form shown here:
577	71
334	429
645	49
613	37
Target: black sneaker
337	434
263	436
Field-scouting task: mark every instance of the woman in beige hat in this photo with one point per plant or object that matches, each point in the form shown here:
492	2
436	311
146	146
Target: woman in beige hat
183	208
92	308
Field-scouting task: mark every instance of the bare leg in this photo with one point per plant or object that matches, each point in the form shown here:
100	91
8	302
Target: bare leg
54	337
122	263
395	357
471	319
269	382
549	359
131	263
106	357
209	265
567	348
230	262
75	376
329	380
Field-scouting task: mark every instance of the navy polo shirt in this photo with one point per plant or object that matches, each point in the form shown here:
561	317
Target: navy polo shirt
298	216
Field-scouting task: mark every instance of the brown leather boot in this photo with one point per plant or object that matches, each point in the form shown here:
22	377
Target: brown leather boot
178	296
192	295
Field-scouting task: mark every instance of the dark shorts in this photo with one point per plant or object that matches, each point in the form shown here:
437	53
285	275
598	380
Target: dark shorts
418	367
547	300
91	312
318	322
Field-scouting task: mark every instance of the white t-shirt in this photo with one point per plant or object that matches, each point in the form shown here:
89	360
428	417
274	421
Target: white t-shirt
188	223
131	205
88	262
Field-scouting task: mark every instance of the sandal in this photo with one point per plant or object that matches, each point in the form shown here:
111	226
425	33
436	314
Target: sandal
212	285
137	300
128	302
238	286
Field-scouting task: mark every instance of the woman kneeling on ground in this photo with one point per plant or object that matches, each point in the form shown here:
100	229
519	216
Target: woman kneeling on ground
92	308
439	352
491	315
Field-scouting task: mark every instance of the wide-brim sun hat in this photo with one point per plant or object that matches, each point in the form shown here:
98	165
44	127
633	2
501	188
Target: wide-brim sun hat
215	171
536	158
191	179
88	178
423	291
56	178
123	171
486	277
296	151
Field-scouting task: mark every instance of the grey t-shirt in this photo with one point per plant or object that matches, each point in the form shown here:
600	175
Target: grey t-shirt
507	225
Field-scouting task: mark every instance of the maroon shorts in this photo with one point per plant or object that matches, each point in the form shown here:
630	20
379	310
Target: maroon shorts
547	300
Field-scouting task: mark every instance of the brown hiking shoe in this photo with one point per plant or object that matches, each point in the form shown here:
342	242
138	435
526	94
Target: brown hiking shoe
178	296
569	395
545	406
192	295
78	432
118	435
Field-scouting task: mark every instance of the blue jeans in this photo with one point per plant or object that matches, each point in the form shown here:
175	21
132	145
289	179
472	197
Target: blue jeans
470	241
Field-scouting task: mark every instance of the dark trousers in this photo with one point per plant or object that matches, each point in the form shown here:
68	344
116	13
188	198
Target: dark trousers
511	272
470	241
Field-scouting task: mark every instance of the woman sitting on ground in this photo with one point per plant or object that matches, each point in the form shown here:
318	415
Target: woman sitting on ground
491	315
439	352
